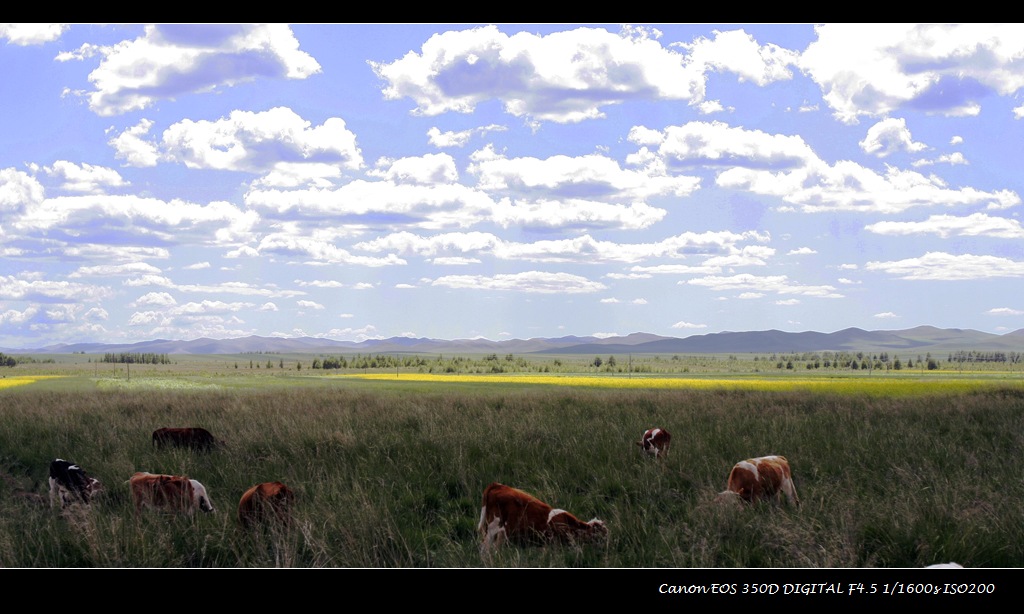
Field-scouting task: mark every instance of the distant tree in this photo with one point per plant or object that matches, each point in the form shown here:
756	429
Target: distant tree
298	366
282	363
270	364
597	361
611	361
316	363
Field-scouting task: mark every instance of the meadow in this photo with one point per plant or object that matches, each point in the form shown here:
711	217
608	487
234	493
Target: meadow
893	470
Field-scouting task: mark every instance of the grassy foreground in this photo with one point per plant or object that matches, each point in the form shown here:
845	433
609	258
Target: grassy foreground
390	474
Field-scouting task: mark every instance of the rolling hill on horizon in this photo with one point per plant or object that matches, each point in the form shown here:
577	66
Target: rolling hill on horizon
918	339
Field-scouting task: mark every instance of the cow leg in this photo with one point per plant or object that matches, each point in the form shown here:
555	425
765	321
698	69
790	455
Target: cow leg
493	538
789	489
496	534
54	492
481	526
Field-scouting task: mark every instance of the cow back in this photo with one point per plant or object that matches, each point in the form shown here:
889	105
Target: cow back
268	501
655	441
195	438
522	516
757	479
171	492
772	472
71	483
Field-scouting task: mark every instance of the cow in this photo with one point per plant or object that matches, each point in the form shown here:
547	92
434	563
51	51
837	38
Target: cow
173	493
655	442
69	484
187	437
758	479
268	502
509	513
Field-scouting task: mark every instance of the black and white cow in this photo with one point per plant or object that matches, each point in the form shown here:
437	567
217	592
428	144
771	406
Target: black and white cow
69	483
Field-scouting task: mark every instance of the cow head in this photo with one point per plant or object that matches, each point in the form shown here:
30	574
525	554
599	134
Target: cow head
92	488
728	497
202	500
598	530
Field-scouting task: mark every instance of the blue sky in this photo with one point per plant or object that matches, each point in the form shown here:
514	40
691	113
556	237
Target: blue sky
357	181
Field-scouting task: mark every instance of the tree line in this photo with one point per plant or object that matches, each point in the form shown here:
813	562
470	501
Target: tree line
976	356
134	358
10	361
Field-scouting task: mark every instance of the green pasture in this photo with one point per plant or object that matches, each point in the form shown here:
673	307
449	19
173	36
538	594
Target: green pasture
892	470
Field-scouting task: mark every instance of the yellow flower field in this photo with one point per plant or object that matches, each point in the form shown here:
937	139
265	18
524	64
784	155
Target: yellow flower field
20	380
876	386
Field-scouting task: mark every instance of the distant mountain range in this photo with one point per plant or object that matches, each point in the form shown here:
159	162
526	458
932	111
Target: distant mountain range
913	340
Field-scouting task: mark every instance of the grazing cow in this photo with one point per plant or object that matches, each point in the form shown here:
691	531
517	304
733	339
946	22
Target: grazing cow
175	493
266	502
655	442
757	479
71	484
509	513
188	437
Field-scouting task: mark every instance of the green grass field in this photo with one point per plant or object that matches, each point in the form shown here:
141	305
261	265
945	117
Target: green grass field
891	471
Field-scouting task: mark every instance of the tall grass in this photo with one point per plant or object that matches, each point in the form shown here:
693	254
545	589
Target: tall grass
391	475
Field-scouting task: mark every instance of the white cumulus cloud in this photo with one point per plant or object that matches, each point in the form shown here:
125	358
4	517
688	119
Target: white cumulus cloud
172	60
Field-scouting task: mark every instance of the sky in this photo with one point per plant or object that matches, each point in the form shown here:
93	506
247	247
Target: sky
500	181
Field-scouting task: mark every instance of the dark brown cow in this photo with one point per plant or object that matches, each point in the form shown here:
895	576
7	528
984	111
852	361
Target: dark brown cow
757	479
187	437
175	493
509	513
269	502
655	442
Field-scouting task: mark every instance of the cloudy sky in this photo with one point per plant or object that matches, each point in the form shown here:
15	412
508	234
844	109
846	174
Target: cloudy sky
507	181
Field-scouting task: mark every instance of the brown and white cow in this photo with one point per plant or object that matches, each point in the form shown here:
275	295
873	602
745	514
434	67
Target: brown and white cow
174	493
758	479
268	502
655	442
186	437
69	484
510	514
